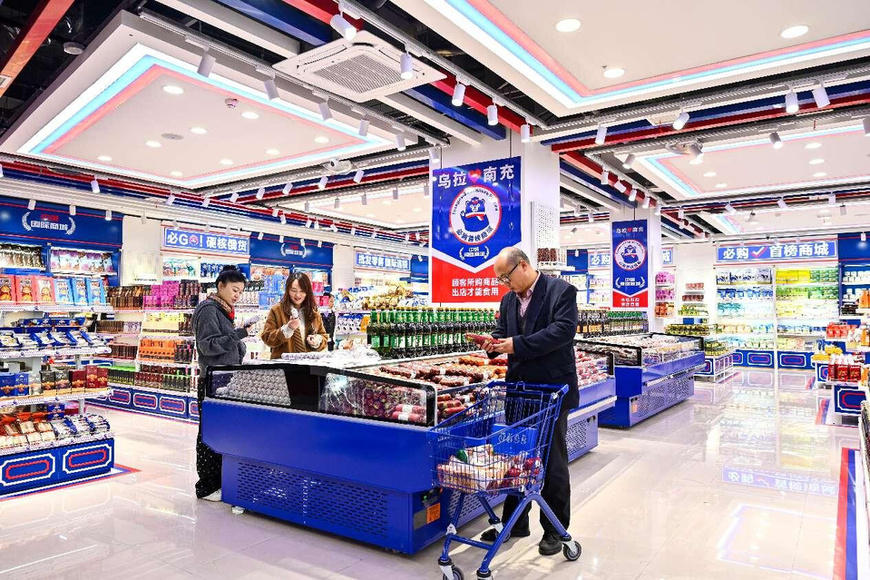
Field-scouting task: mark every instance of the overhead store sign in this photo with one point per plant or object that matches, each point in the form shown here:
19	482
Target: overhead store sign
819	250
630	264
475	214
599	259
53	222
667	256
383	262
205	242
291	252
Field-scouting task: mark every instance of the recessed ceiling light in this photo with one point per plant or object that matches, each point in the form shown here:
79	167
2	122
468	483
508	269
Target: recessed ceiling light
226	162
321	139
710	174
613	72
173	89
198	130
697	160
418	209
820	174
400	221
387	202
794	31
818	161
568	25
154	144
176	173
272	152
721	185
370	215
250	115
104	158
813	145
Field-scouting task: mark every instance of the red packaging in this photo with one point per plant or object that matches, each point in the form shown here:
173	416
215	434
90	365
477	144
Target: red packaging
92	380
843	372
25	289
854	373
7	289
44	289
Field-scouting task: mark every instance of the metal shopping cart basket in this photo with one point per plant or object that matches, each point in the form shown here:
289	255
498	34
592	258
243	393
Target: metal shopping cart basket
498	446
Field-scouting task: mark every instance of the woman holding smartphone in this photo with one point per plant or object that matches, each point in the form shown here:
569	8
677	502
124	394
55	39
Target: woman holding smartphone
294	324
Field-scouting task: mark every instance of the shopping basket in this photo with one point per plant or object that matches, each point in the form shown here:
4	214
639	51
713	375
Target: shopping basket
499	445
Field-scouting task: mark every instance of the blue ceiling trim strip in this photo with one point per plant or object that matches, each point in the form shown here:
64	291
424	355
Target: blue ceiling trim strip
595	184
285	18
440	101
615	130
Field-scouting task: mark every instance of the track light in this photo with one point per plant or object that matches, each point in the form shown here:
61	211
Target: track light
260	236
316	224
95	185
407	66
321	185
419	258
334	228
308	223
843	210
633	195
791	102
108	215
283	218
353	230
171	199
590	218
302	242
775	140
863	236
435	155
781	203
271	89
287	187
628	161
281	238
574	230
205	64
525	133
730	208
695	152
374	234
820	96
620	186
261	192
417	236
681	121
340	24
407	237
426	190
363	127
325	112
31	205
337	204
600	135
752	218
206	201
458	95
681	214
358	176
400	142
658	208
234	197
274	212
175	225
492	115
364	200
645	202
1	170
832	199
319	243
396	193
605	177
72	210
865	123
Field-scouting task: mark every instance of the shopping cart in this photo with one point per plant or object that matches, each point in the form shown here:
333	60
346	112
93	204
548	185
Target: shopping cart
498	446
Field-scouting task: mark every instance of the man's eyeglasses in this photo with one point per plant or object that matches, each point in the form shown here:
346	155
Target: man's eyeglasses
506	279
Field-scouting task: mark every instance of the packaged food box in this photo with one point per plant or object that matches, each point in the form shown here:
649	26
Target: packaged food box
7	289
8	340
25	289
95	291
79	380
61	382
33	383
44	289
7	385
49	384
79	291
22	385
63	293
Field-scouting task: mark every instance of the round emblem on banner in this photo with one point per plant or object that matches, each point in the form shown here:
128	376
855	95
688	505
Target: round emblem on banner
193	239
475	215
629	255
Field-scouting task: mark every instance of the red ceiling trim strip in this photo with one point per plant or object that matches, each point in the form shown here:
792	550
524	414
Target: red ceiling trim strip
479	102
322	10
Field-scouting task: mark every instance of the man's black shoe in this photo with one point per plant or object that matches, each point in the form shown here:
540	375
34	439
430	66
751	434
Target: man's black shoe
550	545
490	535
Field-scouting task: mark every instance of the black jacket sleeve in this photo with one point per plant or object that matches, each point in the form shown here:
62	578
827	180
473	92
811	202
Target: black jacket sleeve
557	334
209	338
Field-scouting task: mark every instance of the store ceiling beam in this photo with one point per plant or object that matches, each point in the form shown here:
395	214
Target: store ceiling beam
435	118
285	18
236	24
600	195
440	102
43	19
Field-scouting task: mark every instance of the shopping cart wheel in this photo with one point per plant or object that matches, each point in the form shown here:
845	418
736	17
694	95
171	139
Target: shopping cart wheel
572	555
457	574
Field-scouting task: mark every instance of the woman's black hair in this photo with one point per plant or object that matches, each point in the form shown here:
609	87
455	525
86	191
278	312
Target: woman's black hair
229	275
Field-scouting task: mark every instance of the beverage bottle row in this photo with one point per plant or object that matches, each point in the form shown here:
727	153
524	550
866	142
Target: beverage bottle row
415	332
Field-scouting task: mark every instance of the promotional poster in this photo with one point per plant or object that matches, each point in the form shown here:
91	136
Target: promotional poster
475	214
630	253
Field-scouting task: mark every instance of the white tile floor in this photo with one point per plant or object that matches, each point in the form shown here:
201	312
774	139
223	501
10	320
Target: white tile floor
657	501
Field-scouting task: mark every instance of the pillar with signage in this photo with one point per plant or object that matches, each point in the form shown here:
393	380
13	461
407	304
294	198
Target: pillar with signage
636	259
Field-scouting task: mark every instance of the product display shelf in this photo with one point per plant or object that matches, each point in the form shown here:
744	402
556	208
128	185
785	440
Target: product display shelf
65	308
179	405
341	481
79	396
864	451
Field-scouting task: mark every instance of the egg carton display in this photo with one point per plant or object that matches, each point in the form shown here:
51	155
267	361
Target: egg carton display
644	349
264	385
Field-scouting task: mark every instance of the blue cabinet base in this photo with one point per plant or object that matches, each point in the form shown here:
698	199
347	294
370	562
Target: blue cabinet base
179	406
754	358
33	469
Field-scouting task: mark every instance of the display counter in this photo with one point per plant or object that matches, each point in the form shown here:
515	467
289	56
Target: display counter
347	450
653	372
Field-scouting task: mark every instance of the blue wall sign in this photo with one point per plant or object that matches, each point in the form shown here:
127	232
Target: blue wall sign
850	248
630	264
599	259
205	242
667	256
786	251
579	260
52	223
420	268
271	251
383	262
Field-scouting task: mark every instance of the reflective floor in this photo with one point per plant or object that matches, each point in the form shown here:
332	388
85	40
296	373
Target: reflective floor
739	482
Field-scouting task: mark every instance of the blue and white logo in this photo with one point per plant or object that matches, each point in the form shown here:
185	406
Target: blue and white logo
475	215
629	255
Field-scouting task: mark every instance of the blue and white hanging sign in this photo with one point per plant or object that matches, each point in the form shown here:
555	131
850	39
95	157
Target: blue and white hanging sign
667	256
786	251
205	242
630	264
599	259
383	262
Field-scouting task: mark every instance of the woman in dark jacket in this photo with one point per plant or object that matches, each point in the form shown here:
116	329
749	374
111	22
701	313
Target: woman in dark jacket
218	342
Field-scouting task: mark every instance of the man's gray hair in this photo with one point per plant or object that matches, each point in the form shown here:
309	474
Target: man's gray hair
515	256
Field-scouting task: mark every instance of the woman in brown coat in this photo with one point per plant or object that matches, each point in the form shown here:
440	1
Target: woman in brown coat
294	324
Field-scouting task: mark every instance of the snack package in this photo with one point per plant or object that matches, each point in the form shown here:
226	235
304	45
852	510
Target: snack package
22	384
48	380
61	382
8	340
44	289
79	291
63	293
25	289
7	289
95	291
79	380
7	385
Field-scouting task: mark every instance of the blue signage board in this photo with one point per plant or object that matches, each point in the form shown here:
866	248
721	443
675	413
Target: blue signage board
52	223
850	248
270	250
476	213
386	262
206	242
579	260
786	251
667	256
420	267
630	264
599	259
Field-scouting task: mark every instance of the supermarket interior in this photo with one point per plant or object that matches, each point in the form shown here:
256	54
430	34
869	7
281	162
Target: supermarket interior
373	165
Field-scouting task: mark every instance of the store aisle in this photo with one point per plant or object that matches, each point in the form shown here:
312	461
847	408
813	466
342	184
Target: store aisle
739	482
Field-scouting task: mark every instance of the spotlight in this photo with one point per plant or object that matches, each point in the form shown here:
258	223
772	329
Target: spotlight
396	193
175	224
435	155
353	230
781	203
283	218
400	142
171	199
271	89
340	24
752	218
681	121
364	200
334	227
234	197
407	66
281	238
337	203
628	161
321	185
325	112
681	214
730	208
605	177
574	230
832	199
458	95
287	187
863	236
646	202
308	223
590	218
205	64
620	186
363	127
260	236
358	176
31	205
302	242
658	209
1	170
319	243
407	237
865	123
492	115
417	236
843	210
274	212
426	191
525	133
316	224
695	152
600	135
791	102
206	201
72	210
820	96
95	185
374	234
419	258
775	140
261	192
633	195
108	215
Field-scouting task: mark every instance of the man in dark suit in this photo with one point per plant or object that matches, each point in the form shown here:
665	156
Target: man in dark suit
536	327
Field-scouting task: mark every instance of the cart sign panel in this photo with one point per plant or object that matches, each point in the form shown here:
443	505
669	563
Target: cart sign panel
475	214
208	243
818	250
630	264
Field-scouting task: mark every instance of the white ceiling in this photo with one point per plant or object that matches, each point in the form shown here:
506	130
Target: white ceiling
586	234
411	210
809	220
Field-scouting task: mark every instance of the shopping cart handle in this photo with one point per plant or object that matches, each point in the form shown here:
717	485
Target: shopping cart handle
557	390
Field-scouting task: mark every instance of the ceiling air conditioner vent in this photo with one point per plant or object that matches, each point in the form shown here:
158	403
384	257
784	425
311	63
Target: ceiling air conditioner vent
363	69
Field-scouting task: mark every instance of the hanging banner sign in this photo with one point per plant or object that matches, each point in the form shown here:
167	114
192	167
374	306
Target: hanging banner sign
53	223
383	262
667	256
630	264
786	251
206	243
475	214
271	250
599	259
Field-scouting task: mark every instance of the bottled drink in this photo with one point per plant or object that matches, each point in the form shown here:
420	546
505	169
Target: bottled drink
387	318
416	340
429	333
373	332
441	339
399	337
